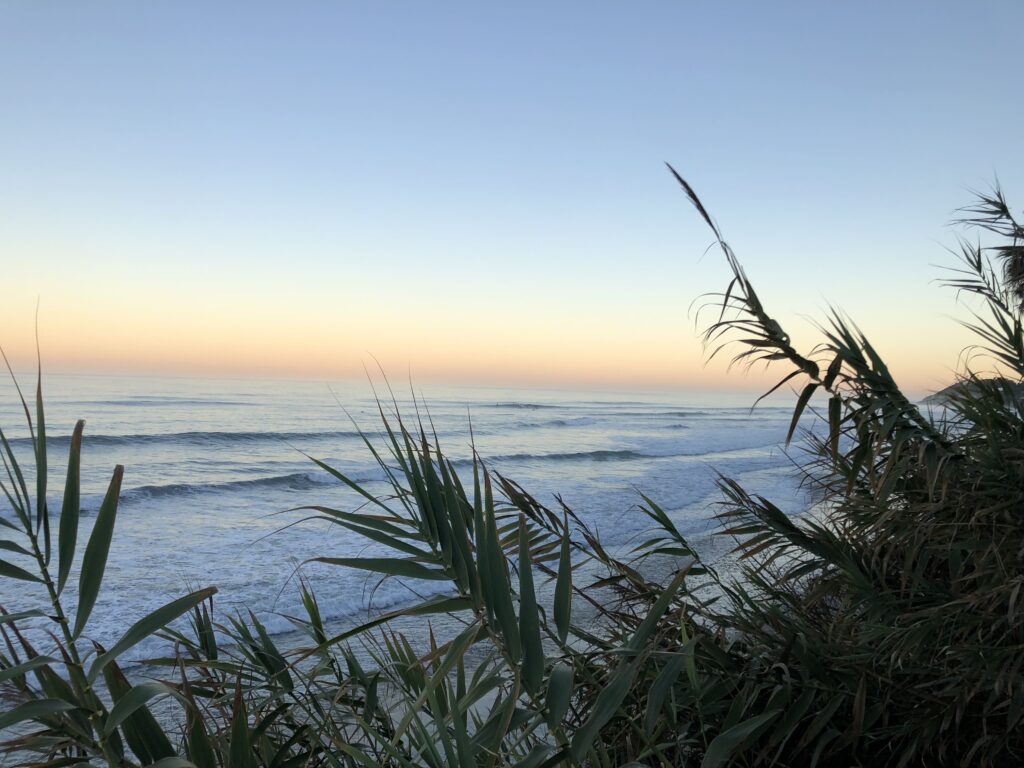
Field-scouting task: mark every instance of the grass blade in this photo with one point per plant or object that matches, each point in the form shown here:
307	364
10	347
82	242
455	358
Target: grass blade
67	534
434	605
11	571
529	624
31	710
608	705
143	733
389	566
42	513
8	673
499	597
801	404
559	694
149	624
94	562
563	589
725	744
132	700
240	749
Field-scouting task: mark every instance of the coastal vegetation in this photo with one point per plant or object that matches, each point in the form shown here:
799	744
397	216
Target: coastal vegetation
884	628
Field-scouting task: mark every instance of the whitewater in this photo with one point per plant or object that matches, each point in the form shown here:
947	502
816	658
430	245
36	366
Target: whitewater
214	466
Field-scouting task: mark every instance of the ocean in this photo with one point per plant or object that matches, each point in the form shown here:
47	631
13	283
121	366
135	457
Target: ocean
212	468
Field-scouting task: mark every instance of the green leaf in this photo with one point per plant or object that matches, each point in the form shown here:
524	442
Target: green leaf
499	597
689	652
650	622
563	589
390	566
617	687
822	719
456	651
33	710
271	659
199	747
11	546
371	532
149	624
352	483
660	690
725	744
480	542
381	523
801	403
503	719
559	694
835	405
141	730
316	622
240	749
608	705
67	534
202	624
42	513
832	372
535	758
20	501
7	618
529	623
434	605
26	666
10	571
94	563
131	700
463	746
785	378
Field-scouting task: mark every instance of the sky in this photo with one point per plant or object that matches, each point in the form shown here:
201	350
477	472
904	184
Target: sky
476	192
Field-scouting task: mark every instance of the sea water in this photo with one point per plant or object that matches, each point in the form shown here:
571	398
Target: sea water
212	468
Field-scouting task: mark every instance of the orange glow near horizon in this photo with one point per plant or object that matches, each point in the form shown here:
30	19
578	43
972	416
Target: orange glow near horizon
240	342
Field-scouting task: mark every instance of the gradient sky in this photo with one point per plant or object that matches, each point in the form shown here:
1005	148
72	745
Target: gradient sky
476	191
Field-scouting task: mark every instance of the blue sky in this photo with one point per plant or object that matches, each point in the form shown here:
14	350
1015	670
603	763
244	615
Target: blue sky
477	191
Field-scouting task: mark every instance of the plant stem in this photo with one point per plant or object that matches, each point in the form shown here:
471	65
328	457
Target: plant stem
77	672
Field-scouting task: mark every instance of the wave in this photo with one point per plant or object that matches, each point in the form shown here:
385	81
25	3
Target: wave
300	481
189	438
577	421
730	412
296	481
717	413
611	414
626	455
148	400
610	410
603	455
527	406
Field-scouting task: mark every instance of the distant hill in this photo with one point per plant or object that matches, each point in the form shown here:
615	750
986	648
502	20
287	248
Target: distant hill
943	396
